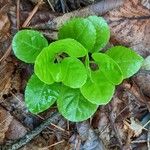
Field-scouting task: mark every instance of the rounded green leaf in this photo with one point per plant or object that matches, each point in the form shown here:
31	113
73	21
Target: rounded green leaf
50	72
73	72
40	96
102	32
27	44
109	67
98	90
73	106
128	60
81	30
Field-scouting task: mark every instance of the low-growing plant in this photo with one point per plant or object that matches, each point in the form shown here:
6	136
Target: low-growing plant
71	71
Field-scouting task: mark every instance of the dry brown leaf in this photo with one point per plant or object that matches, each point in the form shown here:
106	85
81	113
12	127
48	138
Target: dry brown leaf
4	26
6	71
142	79
5	120
104	126
16	130
130	25
146	3
135	127
89	139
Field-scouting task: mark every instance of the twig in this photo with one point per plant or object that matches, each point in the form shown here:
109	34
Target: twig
96	9
6	53
31	14
51	5
139	141
30	135
62	5
18	15
68	126
57	127
147	123
148	136
78	143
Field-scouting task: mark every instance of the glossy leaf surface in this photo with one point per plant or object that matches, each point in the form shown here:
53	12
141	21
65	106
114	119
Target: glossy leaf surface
73	72
128	60
81	30
73	106
40	96
102	32
98	90
109	67
27	44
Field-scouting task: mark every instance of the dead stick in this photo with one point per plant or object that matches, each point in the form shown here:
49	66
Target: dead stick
99	8
18	15
30	135
31	14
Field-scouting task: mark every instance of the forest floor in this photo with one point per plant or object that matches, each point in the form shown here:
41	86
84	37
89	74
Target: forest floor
123	124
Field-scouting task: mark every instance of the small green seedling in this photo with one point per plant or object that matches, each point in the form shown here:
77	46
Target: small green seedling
63	72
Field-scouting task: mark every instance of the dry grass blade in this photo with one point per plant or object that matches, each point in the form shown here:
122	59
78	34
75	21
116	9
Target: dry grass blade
18	14
6	54
31	14
50	4
45	148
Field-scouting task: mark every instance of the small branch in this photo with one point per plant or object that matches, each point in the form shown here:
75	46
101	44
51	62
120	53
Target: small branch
32	13
6	54
51	6
30	135
18	14
148	137
96	9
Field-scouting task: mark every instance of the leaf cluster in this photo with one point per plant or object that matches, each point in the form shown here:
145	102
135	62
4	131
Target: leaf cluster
71	71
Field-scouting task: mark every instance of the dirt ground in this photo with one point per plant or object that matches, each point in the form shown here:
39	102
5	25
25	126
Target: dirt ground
123	124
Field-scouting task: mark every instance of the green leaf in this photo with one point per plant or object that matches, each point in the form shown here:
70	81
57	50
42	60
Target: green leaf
50	72
40	96
70	46
81	30
73	106
109	67
73	72
27	44
42	65
128	60
146	63
102	32
98	90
